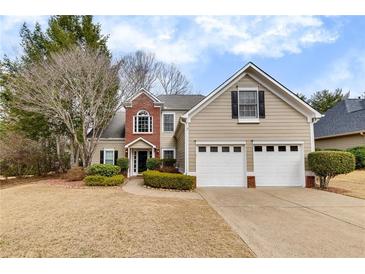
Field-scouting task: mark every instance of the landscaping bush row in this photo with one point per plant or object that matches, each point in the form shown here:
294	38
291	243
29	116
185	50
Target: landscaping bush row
98	180
158	179
103	170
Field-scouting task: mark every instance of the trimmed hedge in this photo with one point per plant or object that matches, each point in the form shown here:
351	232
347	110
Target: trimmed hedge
153	163
114	180
168	180
328	164
97	180
94	180
103	170
359	153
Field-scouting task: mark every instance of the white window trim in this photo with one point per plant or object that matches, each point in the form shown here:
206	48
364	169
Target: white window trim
163	122
109	149
173	149
251	119
134	123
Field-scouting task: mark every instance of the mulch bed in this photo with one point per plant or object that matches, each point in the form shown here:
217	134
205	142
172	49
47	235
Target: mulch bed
26	180
334	189
63	182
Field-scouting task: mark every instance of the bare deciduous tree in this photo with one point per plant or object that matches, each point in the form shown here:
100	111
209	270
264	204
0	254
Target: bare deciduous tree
172	80
139	70
78	88
142	70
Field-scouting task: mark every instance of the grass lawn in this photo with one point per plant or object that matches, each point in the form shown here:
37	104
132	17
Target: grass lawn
41	220
352	184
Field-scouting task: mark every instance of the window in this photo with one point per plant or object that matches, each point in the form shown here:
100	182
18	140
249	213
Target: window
293	148
109	156
213	149
258	148
202	149
270	148
247	104
143	122
282	148
168	122
237	149
225	149
168	154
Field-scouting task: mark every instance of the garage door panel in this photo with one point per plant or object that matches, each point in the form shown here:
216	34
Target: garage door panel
279	168
220	168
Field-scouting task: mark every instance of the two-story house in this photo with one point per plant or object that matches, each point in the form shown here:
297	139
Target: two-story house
251	130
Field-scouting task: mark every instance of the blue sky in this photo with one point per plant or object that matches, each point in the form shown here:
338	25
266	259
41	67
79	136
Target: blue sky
305	53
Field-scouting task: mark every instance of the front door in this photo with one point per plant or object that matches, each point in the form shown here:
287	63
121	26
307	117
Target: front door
142	159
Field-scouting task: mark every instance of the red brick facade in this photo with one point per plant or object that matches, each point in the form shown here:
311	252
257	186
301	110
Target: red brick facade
251	182
310	181
143	102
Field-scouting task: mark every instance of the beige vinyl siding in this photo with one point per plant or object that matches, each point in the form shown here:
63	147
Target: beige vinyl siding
108	144
214	122
341	142
167	138
180	147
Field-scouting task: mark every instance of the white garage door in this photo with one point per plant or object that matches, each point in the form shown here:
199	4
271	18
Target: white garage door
220	165
279	165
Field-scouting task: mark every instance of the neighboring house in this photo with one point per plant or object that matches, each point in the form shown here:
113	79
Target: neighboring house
250	130
342	126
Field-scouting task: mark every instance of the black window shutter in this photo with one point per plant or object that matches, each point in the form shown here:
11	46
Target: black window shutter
115	156
101	156
261	104
234	103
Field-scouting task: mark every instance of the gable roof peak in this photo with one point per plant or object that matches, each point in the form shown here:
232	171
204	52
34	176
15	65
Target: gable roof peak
146	92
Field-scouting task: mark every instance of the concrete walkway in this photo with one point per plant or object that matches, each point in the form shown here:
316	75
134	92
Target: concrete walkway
135	186
293	222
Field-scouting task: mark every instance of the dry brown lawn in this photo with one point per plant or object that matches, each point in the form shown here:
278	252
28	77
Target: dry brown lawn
42	220
352	184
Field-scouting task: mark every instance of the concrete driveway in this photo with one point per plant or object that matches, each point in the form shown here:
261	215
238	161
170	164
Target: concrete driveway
293	222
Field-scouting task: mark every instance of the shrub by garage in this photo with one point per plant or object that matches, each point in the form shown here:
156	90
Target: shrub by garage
359	153
98	180
328	164
158	179
103	170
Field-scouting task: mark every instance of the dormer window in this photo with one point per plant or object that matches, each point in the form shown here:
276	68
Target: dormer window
143	122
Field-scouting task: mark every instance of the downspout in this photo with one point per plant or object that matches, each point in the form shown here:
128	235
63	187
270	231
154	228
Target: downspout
186	144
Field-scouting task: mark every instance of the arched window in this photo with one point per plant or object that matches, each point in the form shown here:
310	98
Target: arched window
143	122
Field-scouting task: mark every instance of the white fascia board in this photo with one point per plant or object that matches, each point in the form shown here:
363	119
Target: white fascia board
211	96
149	94
262	142
220	142
140	139
267	76
226	84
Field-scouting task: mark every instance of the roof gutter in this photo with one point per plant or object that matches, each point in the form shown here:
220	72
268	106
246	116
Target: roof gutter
186	143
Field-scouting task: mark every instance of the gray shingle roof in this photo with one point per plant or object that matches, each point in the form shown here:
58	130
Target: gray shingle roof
345	117
115	129
183	102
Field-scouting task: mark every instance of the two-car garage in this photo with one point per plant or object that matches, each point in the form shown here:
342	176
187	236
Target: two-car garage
224	164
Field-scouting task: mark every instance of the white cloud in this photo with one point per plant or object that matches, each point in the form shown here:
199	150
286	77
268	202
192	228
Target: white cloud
9	32
265	36
346	72
243	36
